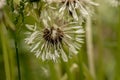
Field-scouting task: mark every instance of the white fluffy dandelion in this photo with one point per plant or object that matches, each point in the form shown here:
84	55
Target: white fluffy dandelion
2	3
58	40
55	37
77	8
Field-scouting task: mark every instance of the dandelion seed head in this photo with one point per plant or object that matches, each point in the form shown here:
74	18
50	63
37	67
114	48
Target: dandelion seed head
51	43
53	35
77	8
55	38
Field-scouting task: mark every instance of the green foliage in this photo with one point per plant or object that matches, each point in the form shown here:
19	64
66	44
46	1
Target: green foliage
18	63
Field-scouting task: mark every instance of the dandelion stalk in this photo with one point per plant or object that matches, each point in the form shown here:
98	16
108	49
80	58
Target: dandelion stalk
68	72
53	71
90	46
81	65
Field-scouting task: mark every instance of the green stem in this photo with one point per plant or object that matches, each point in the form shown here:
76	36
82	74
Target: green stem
70	76
17	58
5	52
53	71
90	46
81	65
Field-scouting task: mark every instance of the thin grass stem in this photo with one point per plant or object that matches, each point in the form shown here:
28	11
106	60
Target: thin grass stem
17	58
89	45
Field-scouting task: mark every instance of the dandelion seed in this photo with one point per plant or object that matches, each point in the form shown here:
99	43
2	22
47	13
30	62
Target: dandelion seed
52	41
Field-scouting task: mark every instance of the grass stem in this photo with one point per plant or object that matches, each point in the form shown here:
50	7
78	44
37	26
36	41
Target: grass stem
89	45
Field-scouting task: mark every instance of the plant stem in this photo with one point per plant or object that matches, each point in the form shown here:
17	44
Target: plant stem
5	52
80	57
53	71
69	73
17	58
89	45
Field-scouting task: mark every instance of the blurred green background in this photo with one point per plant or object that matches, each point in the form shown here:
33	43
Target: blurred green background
17	63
